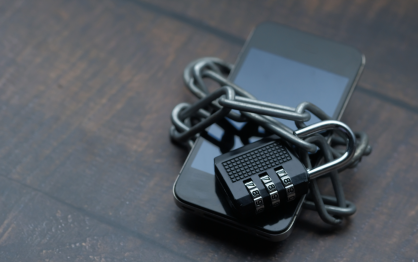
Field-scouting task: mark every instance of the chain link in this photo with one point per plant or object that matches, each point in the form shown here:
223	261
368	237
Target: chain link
190	120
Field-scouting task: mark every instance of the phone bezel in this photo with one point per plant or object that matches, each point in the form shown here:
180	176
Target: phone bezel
233	223
353	66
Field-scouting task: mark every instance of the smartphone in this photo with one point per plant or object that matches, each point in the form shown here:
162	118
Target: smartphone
281	65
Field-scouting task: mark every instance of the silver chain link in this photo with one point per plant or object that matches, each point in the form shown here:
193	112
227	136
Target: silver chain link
190	120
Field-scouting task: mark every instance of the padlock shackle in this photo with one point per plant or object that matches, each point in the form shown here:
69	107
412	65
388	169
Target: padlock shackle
337	163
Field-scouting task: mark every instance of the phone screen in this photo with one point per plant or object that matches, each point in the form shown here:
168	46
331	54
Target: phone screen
276	79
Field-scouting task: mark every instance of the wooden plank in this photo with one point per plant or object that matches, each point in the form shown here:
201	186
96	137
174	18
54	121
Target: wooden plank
385	31
38	226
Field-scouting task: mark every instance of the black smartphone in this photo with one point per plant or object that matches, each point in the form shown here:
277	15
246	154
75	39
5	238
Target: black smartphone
281	65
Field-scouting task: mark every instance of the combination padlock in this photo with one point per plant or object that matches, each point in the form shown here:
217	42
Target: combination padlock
266	174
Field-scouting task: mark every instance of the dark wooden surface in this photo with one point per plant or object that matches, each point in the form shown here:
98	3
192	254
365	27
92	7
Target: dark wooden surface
86	165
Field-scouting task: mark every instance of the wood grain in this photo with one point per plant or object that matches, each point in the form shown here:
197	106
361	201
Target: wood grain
86	165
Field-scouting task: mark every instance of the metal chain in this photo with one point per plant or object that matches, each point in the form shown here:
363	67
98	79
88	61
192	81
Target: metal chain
191	120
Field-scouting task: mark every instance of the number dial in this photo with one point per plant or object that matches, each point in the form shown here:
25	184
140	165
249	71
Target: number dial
287	183
255	194
271	188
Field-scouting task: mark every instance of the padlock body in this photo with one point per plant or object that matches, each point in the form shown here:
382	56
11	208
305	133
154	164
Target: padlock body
254	175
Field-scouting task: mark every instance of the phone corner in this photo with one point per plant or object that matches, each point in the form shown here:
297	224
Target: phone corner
359	56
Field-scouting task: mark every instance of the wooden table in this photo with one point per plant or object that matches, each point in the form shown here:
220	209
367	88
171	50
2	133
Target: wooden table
86	165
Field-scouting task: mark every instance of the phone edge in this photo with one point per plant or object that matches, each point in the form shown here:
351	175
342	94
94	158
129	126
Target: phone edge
185	206
353	86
